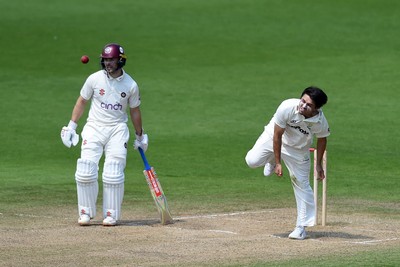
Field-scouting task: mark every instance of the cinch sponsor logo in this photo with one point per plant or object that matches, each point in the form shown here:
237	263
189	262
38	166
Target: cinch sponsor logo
116	106
300	130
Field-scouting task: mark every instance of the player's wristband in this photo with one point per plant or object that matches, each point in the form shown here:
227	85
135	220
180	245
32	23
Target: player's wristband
72	125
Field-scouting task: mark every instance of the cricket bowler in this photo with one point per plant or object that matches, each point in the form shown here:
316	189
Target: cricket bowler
112	92
288	137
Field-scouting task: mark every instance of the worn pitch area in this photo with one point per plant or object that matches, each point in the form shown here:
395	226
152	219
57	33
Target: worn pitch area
193	240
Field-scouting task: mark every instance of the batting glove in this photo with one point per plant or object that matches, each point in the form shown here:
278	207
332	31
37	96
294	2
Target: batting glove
68	135
141	141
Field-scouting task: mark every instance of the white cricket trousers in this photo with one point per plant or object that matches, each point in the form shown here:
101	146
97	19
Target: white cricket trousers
112	140
298	163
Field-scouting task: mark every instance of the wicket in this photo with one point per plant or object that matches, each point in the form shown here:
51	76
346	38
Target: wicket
324	187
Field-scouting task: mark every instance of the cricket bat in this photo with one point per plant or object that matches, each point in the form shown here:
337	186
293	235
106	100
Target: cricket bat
156	191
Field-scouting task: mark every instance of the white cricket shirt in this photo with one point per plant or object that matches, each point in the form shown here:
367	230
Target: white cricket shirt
110	97
299	131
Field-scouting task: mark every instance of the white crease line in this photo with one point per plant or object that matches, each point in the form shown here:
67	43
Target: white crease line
214	231
32	216
371	241
222	231
221	215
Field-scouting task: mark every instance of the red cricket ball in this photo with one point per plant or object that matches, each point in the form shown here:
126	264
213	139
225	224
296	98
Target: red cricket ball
84	59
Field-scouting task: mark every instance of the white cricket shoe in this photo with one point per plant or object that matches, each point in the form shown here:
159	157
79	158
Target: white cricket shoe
84	220
268	169
298	233
109	221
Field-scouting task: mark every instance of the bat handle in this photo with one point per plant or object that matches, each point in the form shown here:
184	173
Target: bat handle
146	163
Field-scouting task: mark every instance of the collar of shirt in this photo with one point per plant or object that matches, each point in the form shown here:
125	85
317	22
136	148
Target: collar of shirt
313	119
119	78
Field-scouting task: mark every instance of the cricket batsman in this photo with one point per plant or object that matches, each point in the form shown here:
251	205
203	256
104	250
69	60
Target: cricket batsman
112	92
288	137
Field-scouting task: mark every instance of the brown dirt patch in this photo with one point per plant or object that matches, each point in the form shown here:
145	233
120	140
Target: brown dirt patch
193	240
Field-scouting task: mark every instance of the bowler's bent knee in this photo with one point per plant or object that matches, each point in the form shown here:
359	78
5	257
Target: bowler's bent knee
251	161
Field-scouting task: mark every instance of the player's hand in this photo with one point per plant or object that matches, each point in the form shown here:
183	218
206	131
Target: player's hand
278	170
321	173
141	141
68	135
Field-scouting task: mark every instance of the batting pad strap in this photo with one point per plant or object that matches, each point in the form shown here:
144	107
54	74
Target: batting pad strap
85	210
86	171
113	172
110	213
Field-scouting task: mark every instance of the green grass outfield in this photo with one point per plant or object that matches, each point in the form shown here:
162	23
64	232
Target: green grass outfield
211	74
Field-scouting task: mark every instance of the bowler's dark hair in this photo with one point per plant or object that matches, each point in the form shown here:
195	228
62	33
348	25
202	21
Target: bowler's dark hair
317	95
